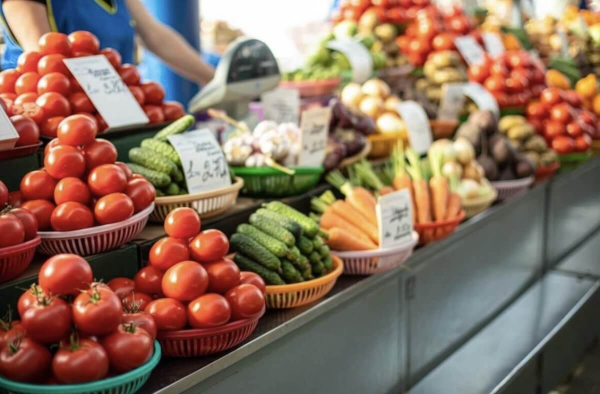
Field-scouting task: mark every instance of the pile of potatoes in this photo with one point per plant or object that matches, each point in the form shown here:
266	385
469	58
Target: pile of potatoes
523	137
441	67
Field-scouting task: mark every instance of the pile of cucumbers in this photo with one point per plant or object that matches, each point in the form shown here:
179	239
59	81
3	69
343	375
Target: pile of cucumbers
282	245
158	161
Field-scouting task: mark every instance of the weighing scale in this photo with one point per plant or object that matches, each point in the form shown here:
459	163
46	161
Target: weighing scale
247	69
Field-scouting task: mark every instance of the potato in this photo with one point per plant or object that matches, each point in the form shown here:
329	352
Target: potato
508	122
548	158
429	69
422	84
433	93
534	157
447	75
521	132
445	59
536	143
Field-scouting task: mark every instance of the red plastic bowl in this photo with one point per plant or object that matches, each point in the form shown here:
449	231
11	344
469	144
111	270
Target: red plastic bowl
15	259
20	151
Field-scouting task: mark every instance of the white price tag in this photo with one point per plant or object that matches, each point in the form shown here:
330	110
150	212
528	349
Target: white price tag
470	49
394	216
203	161
8	133
281	105
583	25
564	42
417	125
107	91
482	98
453	100
315	127
493	44
359	57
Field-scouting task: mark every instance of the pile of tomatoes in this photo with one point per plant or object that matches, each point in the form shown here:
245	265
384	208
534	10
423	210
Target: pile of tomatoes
104	341
513	78
43	89
81	184
392	11
188	282
17	225
558	118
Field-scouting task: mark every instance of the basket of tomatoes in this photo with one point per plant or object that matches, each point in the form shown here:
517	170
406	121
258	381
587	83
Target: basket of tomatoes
27	129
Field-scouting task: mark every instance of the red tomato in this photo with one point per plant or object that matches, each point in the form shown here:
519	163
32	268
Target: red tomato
562	113
478	73
36	185
107	179
80	102
53	82
10	331
583	143
28	220
28	61
24	98
209	310
121	286
143	320
27	83
51	145
154	113
495	84
138	94
89	115
65	274
77	130
172	110
128	348
54	42
51	64
54	104
97	311
3	195
417	59
30	110
12	230
65	161
551	96
154	93
498	69
100	152
148	280
141	192
223	275
209	245
42	209
102	125
29	133
182	223
588	118
185	281
537	110
246	301
574	129
253	279
81	361
168	314
8	79
443	42
84	41
25	361
129	74
554	129
28	297
572	98
113	208
563	144
420	47
49	126
167	252
538	124
9	100
516	84
134	302
47	320
517	59
125	169
75	86
113	57
70	216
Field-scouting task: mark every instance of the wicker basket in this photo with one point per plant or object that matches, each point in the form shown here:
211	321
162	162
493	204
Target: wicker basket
474	206
269	182
382	144
443	128
309	89
508	189
348	161
431	232
15	259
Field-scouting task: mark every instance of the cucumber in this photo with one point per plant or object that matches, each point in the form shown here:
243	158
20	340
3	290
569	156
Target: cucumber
324	251
318	269
249	247
172	190
305	245
156	178
273	228
182	190
294	253
177	127
317	242
247	264
177	175
273	245
314	257
308	225
152	160
328	263
287	223
307	272
162	148
290	273
159	193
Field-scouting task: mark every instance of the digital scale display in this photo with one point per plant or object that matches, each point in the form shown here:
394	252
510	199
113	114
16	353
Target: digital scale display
252	60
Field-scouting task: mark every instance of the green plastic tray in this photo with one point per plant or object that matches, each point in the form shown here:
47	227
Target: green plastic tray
268	182
126	383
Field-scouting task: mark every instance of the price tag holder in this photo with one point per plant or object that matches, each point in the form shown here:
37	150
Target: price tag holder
482	98
359	57
493	44
203	161
281	105
107	91
452	102
8	133
394	216
315	128
564	42
417	125
470	49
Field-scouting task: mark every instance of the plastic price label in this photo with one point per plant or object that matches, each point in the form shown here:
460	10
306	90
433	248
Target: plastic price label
564	42
107	91
452	102
8	133
315	128
482	98
417	125
203	161
394	217
470	49
359	57
281	105
493	44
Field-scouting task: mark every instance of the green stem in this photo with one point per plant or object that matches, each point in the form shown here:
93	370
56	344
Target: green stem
318	205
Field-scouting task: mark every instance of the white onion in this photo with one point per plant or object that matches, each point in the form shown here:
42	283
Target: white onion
351	95
465	153
376	88
452	169
389	123
371	106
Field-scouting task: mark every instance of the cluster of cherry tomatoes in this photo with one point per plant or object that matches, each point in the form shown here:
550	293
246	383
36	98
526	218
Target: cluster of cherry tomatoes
81	184
558	117
43	89
105	339
17	225
392	11
513	78
433	31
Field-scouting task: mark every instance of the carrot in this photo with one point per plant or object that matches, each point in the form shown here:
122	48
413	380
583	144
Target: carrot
454	205
439	187
401	178
355	217
363	200
330	219
342	240
422	199
386	190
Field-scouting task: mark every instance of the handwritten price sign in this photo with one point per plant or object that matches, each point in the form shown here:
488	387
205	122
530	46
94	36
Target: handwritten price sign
452	101
470	49
315	126
482	98
358	56
394	216
417	125
204	164
493	44
281	105
107	91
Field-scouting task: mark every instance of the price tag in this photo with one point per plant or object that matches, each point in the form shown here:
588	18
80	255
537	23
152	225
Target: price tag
583	25
453	100
394	216
315	127
417	125
203	162
107	91
359	57
470	49
8	133
281	105
564	42
493	44
482	98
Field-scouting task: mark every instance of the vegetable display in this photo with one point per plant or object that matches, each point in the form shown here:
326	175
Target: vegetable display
17	225
440	68
523	136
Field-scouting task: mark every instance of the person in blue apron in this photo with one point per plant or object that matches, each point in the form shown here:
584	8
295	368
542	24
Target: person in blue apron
114	22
